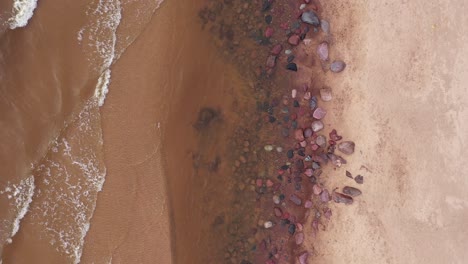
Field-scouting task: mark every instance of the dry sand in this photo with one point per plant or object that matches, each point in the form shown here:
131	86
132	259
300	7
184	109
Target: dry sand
402	99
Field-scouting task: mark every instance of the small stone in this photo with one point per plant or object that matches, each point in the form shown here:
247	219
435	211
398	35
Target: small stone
313	103
291	66
325	196
319	113
279	149
269	183
309	172
271	61
336	160
278	212
347	147
290	154
292	229
325	26
307	96
322	51
321	141
342	198
295	199
317	190
337	66
243	159
288	51
303	257
349	175
276	50
317	126
299	237
293	93
359	179
269	32
308	132
302	6
351	191
276	199
311	18
268	224
328	213
326	94
294	40
303	144
259	182
308	204
268	19
299	134
268	148
290	58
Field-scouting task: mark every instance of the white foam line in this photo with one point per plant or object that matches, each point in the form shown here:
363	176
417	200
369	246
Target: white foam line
22	11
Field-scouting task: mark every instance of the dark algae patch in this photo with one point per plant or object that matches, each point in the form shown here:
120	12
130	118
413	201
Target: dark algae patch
278	149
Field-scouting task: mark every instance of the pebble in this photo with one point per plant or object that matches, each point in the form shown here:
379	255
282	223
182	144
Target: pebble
290	58
294	40
347	147
276	50
268	224
292	229
326	94
295	199
351	191
316	189
325	196
308	204
311	18
307	96
279	149
321	141
290	154
268	19
291	66
303	257
268	148
308	132
278	212
337	66
309	172
302	6
271	61
342	198
319	113
322	51
336	160
269	32
299	237
276	199
299	134
317	126
325	26
288	51
303	144
359	179
349	175
293	93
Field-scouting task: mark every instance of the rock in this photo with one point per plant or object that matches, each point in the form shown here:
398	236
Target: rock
359	179
347	147
278	212
290	58
316	126
311	18
328	213
292	229
351	191
334	135
269	32
268	224
293	93
321	141
288	52
291	66
295	199
337	66
325	196
279	149
290	154
319	113
325	26
349	175
271	61
308	132
299	135
294	40
308	204
276	50
326	94
336	160
316	189
299	237
342	198
303	257
268	148
322	51
276	199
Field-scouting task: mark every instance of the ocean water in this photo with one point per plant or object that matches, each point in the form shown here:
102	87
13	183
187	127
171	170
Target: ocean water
55	71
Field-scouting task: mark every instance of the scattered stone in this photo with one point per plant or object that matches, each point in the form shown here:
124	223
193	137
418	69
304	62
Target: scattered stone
299	237
308	132
279	149
308	204
325	26
328	213
290	58
317	125
325	196
359	179
291	66
321	141
342	198
290	154
288	52
317	190
299	135
334	135
351	191
319	113
276	50
276	199
295	199
337	66
322	51
303	257
347	147
311	18
269	32
271	61
268	19
349	175
326	94
292	229
268	224
268	148
336	160
294	40
293	93
278	212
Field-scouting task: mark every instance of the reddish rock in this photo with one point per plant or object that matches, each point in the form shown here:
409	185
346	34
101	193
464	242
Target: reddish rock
308	204
325	196
269	183
334	135
299	237
259	182
299	135
269	32
347	147
327	213
336	160
359	179
303	257
319	113
321	141
276	50
309	172
294	40
278	212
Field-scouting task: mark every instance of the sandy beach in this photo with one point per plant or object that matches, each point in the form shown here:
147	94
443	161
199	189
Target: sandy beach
168	196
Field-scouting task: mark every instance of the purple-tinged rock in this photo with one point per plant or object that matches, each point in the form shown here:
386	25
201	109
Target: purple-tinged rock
325	26
311	18
271	61
336	160
299	237
337	66
322	51
351	191
276	50
328	213
319	113
347	147
325	196
308	132
316	189
326	94
308	204
295	199
359	179
321	141
342	198
303	257
349	175
316	126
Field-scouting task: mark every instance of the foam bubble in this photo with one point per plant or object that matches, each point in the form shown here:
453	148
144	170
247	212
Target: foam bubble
22	11
102	87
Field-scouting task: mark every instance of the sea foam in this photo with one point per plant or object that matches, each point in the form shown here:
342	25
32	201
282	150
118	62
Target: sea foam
22	11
